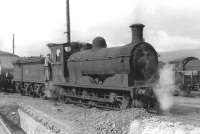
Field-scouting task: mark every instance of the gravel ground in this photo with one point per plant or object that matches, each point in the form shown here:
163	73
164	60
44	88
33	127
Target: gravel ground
157	126
96	121
80	119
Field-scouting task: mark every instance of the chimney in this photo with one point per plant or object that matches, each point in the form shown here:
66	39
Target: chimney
137	33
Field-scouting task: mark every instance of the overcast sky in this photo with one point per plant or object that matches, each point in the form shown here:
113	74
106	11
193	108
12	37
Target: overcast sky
170	24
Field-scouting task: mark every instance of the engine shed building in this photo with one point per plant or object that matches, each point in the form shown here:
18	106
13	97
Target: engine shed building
6	61
181	63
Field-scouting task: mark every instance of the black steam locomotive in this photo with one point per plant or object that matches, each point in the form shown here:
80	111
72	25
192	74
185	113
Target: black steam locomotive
94	75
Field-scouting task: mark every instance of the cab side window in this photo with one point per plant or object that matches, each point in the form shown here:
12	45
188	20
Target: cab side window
52	56
58	55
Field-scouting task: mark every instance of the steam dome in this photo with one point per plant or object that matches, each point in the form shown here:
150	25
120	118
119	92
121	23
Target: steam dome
98	43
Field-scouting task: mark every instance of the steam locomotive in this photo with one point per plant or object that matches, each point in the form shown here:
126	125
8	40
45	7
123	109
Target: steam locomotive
94	75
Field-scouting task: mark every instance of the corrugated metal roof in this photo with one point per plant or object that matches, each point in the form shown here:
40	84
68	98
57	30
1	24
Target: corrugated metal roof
193	65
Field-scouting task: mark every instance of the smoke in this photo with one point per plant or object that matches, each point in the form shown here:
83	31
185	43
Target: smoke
138	11
165	87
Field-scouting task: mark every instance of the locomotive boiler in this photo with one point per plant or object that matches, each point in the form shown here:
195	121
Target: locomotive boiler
94	75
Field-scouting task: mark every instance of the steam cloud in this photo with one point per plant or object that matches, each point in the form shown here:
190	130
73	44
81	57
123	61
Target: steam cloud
165	87
138	11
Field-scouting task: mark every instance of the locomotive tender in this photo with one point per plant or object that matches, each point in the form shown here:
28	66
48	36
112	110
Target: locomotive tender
29	75
91	74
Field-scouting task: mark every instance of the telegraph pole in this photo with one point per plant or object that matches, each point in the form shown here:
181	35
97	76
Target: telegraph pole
68	22
13	43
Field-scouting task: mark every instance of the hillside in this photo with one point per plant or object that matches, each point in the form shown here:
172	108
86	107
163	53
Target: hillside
171	55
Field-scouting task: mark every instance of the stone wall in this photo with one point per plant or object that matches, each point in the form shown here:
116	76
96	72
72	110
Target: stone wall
35	122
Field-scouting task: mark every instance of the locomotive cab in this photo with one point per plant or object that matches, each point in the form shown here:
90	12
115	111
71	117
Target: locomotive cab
60	54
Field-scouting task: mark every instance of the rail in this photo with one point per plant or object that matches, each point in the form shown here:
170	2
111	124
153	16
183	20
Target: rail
5	128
